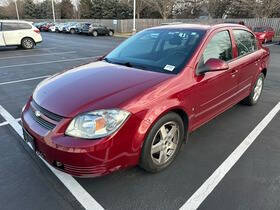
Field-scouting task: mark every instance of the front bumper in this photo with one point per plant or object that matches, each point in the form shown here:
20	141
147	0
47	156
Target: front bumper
85	158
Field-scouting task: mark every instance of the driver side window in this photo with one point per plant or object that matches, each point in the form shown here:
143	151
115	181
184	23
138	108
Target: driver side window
219	47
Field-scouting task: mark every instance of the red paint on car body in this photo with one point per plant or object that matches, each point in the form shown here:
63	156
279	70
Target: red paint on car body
146	95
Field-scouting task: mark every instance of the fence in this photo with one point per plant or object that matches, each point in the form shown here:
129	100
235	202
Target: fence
125	26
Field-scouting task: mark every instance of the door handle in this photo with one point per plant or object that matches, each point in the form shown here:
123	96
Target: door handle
233	73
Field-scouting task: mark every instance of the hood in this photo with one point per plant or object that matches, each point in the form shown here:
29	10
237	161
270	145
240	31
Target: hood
97	85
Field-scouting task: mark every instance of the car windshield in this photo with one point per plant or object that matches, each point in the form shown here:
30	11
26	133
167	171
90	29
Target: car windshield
160	50
259	29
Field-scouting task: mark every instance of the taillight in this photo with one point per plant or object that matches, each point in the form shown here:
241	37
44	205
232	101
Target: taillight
37	31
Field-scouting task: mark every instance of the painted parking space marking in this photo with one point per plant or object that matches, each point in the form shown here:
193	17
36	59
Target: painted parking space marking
48	62
42	54
24	80
209	185
85	199
6	123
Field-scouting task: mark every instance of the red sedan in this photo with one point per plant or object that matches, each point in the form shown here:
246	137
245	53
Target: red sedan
138	105
264	34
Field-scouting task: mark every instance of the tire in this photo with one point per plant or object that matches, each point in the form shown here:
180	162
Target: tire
111	33
94	33
256	92
162	155
27	43
72	31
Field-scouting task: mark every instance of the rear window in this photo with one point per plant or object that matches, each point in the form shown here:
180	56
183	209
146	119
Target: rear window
245	41
15	26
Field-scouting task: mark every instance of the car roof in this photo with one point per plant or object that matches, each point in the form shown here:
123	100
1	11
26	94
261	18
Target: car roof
200	26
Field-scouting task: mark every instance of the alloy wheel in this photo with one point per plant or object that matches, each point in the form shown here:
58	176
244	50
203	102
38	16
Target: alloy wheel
165	143
95	33
258	89
28	43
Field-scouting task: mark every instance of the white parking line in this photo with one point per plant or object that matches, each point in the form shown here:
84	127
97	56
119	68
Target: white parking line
6	123
24	80
47	62
209	185
85	199
25	56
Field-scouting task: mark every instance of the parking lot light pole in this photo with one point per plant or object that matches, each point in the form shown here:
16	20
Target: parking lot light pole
17	9
134	16
53	11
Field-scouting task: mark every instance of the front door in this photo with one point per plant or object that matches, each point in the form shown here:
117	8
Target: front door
2	42
215	91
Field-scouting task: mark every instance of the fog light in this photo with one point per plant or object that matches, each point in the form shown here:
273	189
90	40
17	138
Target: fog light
58	164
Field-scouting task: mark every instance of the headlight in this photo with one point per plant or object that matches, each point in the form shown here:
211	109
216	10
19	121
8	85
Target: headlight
97	124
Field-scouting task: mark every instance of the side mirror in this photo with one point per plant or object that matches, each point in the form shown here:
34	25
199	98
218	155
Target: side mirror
213	64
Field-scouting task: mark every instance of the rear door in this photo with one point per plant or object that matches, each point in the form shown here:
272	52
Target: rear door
2	41
215	91
248	58
11	33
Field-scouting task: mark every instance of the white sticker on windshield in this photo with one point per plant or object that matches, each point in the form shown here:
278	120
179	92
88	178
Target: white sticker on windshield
169	68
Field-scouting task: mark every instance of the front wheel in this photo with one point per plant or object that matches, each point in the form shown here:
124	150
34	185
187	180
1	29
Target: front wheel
94	33
27	43
72	31
163	143
254	96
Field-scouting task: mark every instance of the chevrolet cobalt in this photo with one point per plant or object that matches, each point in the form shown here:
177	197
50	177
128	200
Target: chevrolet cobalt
137	105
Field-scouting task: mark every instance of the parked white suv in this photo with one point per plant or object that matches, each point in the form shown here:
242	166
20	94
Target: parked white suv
19	33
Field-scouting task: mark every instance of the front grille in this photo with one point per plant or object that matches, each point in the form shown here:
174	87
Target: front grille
49	115
45	112
42	122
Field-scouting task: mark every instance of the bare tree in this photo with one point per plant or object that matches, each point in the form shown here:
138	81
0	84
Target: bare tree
140	5
218	8
258	8
164	7
188	8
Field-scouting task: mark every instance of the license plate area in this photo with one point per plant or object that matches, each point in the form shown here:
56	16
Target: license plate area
29	139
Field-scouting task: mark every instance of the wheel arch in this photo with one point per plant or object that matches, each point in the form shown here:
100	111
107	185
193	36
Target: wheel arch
178	110
27	37
264	71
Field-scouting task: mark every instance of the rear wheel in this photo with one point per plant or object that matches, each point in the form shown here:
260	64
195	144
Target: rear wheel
111	33
254	96
163	143
72	31
27	43
94	33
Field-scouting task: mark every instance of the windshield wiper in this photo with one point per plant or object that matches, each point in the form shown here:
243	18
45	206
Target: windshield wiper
127	64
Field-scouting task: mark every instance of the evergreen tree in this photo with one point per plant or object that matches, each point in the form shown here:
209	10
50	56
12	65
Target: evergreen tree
86	8
29	8
67	10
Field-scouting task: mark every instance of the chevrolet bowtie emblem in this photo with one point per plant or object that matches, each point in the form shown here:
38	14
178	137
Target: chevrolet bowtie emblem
37	113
